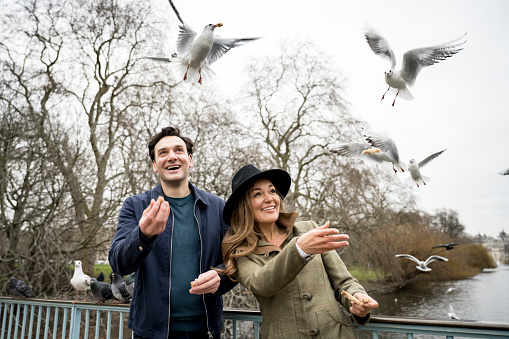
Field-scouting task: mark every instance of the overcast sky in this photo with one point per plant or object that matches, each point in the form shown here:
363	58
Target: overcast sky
460	103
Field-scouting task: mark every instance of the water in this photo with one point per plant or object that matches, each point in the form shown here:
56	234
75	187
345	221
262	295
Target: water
482	298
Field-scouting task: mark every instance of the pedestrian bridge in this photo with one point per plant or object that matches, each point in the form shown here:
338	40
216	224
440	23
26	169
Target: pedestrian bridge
42	318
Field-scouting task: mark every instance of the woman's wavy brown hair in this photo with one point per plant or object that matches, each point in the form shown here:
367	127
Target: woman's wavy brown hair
242	236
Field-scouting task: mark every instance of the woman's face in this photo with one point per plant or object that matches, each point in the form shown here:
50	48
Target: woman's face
265	202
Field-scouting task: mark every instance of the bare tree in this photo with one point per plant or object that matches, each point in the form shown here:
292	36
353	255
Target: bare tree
447	221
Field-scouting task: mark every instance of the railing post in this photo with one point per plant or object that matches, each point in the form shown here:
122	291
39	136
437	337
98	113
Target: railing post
74	331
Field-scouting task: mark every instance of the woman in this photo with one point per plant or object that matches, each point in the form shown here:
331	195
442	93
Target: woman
291	267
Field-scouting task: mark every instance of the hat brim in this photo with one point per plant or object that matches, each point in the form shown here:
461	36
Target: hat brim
279	178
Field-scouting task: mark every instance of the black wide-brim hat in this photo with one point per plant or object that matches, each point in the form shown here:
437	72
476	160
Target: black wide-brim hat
248	175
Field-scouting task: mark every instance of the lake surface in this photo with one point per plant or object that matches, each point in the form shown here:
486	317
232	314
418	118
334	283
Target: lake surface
484	297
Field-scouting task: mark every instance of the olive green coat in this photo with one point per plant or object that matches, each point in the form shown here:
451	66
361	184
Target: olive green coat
298	297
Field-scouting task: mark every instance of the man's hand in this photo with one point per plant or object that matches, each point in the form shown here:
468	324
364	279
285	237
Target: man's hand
322	239
362	311
207	282
154	218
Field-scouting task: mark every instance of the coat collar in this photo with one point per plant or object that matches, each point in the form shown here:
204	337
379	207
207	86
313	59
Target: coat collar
286	220
198	194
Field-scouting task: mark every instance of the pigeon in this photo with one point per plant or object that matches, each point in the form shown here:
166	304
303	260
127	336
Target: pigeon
19	289
100	277
415	168
423	265
196	53
387	146
506	172
452	314
413	61
119	288
447	246
129	284
100	290
78	280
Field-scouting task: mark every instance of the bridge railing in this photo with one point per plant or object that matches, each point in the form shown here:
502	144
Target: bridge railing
37	318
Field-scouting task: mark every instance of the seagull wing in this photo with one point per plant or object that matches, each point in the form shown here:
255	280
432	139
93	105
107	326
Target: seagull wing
186	35
415	59
386	144
408	256
223	45
506	172
441	245
380	46
428	159
435	258
354	150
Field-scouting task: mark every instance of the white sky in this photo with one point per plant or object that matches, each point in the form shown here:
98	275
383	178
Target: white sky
460	103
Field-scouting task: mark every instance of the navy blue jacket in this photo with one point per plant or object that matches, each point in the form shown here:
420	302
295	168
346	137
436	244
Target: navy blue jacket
150	306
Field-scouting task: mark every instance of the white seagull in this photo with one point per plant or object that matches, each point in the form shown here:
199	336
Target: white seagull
423	265
413	61
387	146
452	314
415	169
79	280
196	53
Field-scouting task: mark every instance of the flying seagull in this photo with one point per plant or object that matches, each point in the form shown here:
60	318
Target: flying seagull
196	53
413	61
452	314
447	246
78	280
506	172
415	168
19	289
423	265
387	146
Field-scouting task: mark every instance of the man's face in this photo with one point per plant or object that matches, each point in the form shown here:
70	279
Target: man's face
172	162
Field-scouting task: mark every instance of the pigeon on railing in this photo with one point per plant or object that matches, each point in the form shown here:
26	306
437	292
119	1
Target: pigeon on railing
19	289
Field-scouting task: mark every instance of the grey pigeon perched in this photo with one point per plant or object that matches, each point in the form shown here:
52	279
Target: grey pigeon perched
413	61
129	284
100	290
19	289
423	265
78	280
195	53
119	288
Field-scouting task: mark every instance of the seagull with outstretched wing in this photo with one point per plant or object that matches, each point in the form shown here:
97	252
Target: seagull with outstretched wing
387	146
413	61
422	265
415	168
195	53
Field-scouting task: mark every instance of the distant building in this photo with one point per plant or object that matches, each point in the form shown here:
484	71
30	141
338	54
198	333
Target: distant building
497	247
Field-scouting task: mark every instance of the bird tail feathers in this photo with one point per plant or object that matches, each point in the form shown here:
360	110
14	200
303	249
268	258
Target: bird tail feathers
193	73
403	93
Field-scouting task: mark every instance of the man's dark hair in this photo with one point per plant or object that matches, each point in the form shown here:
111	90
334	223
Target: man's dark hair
168	132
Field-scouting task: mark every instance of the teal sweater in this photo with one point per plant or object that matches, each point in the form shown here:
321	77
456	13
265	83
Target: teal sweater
187	311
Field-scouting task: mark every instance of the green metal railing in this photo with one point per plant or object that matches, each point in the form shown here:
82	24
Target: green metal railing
37	318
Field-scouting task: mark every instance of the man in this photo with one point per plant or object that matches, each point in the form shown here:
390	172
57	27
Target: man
172	245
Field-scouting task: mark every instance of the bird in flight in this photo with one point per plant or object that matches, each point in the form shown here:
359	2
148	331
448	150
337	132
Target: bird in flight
423	265
506	172
413	61
415	168
195	53
448	247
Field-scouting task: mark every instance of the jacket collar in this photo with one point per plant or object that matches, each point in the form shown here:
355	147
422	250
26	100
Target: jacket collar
285	220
